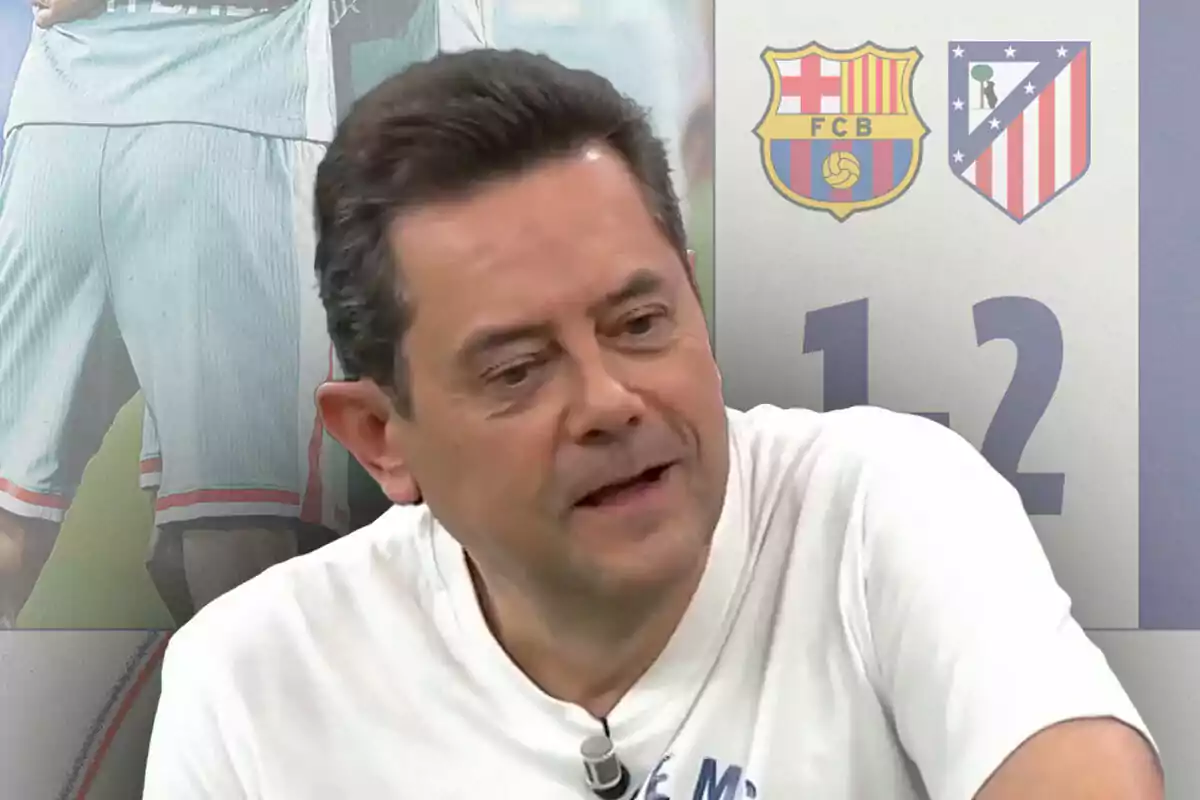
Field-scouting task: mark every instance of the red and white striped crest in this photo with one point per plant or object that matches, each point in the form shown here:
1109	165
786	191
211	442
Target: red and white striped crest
1020	120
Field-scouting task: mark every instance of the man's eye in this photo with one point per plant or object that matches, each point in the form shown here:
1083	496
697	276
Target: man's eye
511	376
644	324
641	324
514	376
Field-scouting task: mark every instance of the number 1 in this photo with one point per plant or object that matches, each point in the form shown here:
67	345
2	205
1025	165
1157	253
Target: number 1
840	332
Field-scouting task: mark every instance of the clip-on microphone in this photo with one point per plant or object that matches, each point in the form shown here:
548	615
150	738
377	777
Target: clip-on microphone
606	776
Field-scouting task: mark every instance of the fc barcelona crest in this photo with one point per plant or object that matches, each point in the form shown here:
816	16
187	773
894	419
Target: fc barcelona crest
1020	120
841	133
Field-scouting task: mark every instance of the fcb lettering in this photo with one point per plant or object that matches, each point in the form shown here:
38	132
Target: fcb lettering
841	133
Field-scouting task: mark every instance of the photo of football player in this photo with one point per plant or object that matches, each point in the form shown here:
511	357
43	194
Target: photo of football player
155	235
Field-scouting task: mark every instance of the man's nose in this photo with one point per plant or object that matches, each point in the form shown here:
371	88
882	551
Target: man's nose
604	405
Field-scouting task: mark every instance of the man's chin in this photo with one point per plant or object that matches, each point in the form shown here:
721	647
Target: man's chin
648	558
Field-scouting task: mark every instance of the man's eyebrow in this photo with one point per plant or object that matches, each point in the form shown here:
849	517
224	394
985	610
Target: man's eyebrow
486	339
641	283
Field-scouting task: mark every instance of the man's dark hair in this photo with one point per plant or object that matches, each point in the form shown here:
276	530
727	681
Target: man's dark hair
436	131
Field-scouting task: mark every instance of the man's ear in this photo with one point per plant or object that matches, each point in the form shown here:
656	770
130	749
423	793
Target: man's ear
691	263
362	417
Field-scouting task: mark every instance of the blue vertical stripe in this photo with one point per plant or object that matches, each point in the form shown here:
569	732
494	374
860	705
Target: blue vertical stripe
821	148
864	151
902	156
1169	327
781	162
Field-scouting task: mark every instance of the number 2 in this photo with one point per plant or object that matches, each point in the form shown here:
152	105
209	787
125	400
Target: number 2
1034	330
841	332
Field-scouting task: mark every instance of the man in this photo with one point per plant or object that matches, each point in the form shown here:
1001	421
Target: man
773	603
157	180
372	40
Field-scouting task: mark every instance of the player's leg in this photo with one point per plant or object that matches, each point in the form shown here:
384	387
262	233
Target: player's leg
187	582
63	372
229	339
164	557
219	555
192	566
25	547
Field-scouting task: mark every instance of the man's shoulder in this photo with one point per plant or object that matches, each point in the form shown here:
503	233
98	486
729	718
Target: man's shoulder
322	593
769	439
827	470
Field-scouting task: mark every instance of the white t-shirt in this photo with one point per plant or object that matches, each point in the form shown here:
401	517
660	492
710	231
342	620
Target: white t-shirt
877	620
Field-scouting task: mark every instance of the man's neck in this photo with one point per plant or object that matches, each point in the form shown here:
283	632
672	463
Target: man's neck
575	654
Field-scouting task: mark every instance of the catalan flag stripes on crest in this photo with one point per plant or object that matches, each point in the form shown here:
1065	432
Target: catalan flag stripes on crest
869	84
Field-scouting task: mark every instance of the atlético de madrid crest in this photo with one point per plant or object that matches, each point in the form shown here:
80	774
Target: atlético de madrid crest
841	133
1020	120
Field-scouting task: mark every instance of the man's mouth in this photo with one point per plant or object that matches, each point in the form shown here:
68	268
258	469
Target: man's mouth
613	493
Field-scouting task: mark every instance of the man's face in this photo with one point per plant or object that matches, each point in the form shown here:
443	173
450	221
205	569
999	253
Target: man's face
568	425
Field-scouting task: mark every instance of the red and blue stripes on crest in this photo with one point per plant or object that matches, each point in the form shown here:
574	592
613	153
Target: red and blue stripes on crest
884	162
